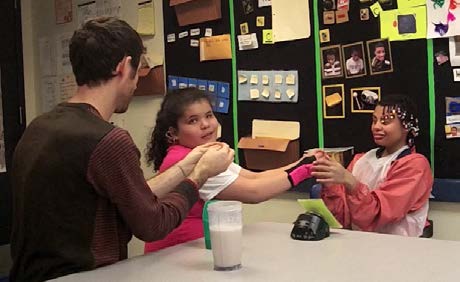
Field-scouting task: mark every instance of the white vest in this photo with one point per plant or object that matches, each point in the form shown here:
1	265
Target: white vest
372	171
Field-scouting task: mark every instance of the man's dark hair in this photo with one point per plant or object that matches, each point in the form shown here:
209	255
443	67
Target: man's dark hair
99	45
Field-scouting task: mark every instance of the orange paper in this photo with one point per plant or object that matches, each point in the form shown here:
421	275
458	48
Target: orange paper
215	48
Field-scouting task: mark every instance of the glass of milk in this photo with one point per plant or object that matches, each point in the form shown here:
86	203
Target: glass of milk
225	226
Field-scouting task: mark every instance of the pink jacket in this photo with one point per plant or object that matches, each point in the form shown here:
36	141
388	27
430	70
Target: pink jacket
406	189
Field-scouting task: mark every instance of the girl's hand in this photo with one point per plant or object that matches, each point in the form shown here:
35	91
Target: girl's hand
330	172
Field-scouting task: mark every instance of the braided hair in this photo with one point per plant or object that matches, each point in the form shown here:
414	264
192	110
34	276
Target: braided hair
172	108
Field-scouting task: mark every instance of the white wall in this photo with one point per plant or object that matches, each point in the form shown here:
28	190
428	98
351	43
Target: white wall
38	20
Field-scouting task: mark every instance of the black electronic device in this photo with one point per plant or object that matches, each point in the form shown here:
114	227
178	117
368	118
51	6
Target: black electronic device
310	227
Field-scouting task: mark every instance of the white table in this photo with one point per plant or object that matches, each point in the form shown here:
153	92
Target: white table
269	254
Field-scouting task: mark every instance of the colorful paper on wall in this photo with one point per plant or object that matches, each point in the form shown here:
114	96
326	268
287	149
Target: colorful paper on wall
443	18
290	21
403	24
411	3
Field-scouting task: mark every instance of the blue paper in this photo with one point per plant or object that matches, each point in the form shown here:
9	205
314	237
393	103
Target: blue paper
222	105
173	82
224	90
202	84
212	87
183	82
192	82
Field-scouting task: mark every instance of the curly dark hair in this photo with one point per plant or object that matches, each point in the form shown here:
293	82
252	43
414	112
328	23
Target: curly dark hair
406	110
172	108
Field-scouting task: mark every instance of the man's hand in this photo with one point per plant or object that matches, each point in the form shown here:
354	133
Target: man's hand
331	172
188	163
215	160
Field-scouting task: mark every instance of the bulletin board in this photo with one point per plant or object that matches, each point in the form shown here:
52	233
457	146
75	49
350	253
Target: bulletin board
414	73
183	60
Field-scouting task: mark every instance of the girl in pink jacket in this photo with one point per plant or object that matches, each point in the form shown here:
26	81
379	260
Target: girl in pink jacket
385	190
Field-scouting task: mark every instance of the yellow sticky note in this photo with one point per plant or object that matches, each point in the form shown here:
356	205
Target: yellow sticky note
254	93
277	94
266	93
278	79
267	36
290	79
260	21
146	19
254	79
376	9
265	79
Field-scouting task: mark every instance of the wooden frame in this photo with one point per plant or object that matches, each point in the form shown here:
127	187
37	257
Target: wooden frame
360	103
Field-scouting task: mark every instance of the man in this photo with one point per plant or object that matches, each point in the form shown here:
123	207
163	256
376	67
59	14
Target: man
79	192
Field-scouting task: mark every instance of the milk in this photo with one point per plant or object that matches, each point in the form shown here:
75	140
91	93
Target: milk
226	246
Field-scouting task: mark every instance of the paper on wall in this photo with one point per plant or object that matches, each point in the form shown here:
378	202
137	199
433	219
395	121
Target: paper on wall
441	20
62	53
248	41
146	18
215	48
46	58
63	11
454	50
85	11
290	21
48	93
265	3
410	23
66	88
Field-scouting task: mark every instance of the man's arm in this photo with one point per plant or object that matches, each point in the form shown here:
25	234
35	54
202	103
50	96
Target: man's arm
202	162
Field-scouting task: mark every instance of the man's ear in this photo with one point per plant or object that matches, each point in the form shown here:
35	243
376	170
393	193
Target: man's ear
124	66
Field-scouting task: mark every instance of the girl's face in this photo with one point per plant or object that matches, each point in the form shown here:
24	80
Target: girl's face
380	53
197	125
388	133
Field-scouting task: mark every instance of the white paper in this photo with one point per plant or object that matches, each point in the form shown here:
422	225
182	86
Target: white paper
171	37
194	42
112	8
454	50
66	87
290	21
2	134
86	10
264	3
440	15
248	41
49	92
194	31
46	63
62	52
183	34
208	32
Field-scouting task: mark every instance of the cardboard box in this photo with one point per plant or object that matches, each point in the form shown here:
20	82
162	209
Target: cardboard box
196	11
273	144
151	82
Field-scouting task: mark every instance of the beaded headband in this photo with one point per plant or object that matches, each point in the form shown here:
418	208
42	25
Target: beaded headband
409	121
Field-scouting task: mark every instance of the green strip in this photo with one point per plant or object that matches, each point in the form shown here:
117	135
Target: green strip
431	98
319	93
234	82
